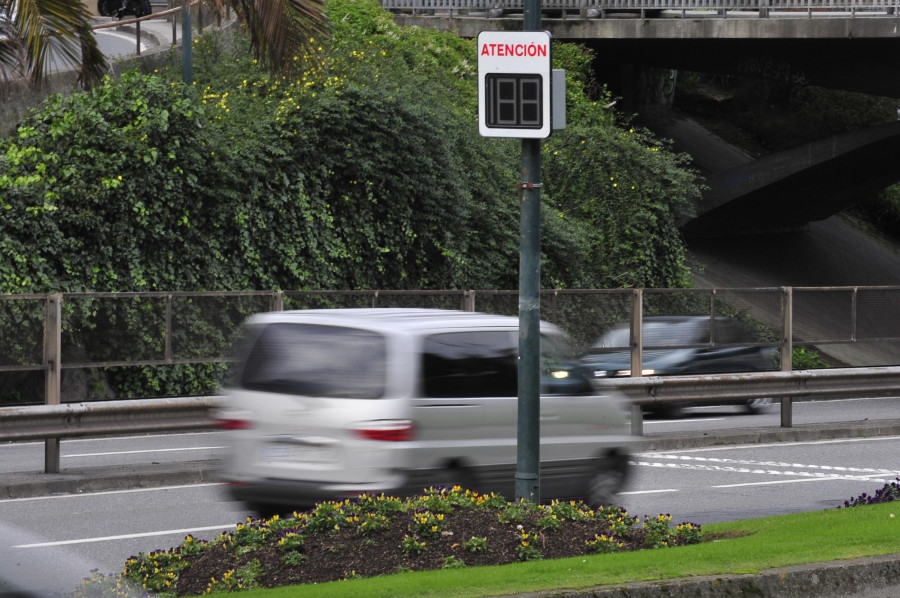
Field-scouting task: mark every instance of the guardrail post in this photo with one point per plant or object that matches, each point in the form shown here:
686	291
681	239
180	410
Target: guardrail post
469	301
52	358
787	350
637	347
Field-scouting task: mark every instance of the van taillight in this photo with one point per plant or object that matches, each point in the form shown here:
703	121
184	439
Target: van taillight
393	430
233	424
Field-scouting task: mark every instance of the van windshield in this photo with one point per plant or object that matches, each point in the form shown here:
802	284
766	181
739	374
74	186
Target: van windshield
316	360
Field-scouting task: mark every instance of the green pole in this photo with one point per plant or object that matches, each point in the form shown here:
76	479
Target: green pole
187	74
528	457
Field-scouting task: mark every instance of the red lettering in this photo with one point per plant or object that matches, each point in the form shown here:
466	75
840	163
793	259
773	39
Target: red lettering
527	50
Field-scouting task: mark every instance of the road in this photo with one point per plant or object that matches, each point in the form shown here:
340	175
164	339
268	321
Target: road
101	530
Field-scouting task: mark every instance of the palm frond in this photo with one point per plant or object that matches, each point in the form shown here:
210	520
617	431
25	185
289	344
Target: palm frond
57	31
281	30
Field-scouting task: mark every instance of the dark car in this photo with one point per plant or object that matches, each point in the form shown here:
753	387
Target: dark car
682	345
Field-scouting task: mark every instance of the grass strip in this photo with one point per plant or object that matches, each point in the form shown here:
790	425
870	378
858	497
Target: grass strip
748	546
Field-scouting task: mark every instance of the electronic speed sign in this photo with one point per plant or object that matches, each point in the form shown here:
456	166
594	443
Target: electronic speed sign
514	84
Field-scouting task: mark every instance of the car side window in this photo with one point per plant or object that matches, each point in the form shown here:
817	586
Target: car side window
470	364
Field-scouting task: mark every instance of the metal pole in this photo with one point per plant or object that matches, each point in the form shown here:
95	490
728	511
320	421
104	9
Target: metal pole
529	407
187	73
52	357
637	358
787	350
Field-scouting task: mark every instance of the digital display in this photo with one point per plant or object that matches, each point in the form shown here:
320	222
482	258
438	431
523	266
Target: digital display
514	101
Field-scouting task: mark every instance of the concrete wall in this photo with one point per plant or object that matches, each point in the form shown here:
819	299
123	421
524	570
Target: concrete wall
19	98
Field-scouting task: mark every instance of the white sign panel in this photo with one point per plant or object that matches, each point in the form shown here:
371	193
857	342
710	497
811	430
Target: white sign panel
514	84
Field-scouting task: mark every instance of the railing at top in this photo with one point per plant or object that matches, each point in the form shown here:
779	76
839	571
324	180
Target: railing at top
684	8
174	13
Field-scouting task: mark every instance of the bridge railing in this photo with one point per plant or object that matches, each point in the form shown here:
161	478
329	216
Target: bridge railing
686	8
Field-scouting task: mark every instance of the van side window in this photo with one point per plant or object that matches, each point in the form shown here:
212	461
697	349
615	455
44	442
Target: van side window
470	364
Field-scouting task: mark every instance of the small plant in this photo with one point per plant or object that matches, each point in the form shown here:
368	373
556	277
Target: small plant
525	550
251	535
293	559
352	575
451	562
688	533
326	516
428	525
657	531
190	546
474	544
291	541
549	522
243	578
373	522
618	522
515	512
156	571
888	493
603	544
412	546
572	510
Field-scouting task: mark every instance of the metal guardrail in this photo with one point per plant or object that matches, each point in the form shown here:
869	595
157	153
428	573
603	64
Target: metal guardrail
784	386
52	422
159	328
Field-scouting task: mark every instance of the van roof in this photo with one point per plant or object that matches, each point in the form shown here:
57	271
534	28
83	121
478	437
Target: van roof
393	318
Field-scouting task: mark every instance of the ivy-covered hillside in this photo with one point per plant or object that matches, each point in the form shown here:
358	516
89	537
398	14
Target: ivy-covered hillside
366	171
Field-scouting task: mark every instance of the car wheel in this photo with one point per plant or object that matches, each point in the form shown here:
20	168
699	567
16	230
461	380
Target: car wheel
606	481
757	406
107	7
672	410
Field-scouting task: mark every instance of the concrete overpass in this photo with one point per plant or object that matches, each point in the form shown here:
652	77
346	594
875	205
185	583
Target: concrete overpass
838	48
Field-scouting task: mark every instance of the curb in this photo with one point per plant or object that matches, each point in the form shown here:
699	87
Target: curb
102	479
807	433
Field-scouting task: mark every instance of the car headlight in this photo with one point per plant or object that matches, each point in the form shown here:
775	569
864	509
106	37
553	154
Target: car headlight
644	372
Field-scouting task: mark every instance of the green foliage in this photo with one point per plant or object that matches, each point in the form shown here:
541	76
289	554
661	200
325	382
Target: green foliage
627	192
366	171
806	358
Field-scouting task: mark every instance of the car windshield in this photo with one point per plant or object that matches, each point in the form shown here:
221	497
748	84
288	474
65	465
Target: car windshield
316	360
655	334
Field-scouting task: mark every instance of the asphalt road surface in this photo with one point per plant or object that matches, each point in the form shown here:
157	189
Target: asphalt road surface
703	486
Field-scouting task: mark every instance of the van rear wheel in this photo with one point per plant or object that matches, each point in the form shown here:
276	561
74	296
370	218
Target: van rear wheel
606	481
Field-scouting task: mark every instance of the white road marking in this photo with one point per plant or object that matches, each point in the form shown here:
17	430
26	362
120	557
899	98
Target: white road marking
168	450
681	421
798	481
90	494
128	536
649	491
775	472
772	464
773	445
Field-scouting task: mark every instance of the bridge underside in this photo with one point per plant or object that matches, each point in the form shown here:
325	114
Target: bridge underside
788	189
781	191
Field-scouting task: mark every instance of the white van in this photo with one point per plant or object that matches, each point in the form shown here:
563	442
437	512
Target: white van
327	404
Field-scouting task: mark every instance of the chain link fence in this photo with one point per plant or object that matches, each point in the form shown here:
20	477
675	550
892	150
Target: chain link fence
98	332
